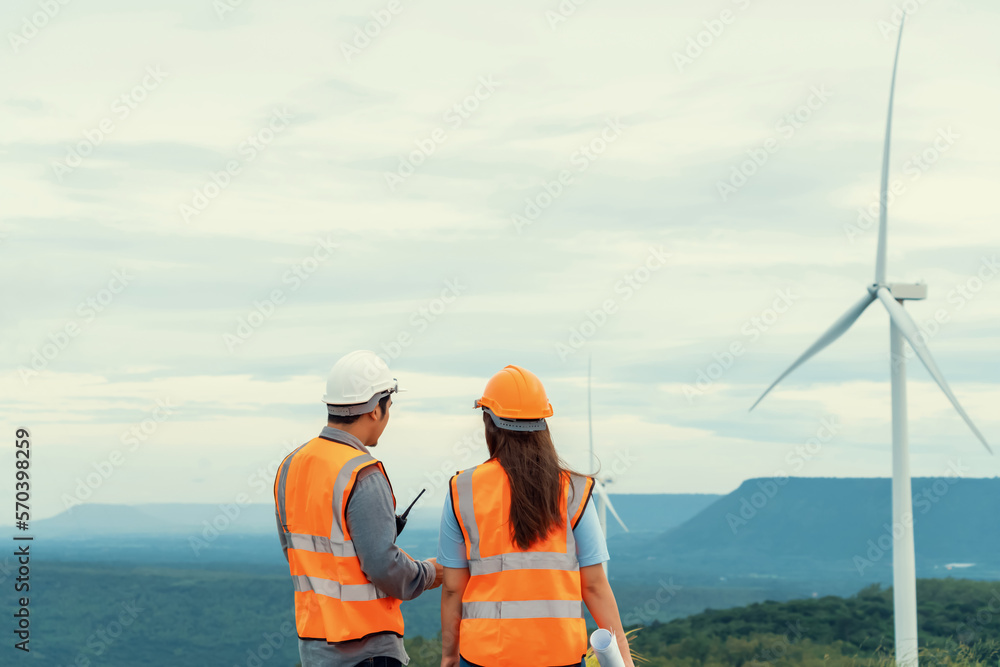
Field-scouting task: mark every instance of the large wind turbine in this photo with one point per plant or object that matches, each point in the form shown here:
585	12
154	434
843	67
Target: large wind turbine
600	482
901	326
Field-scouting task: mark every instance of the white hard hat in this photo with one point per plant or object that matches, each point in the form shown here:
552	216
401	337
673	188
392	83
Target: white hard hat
357	382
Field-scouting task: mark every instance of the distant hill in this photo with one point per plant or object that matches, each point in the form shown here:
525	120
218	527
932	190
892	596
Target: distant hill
838	524
805	529
656	512
93	519
652	513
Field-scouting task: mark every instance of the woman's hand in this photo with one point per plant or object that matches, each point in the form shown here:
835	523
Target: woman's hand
600	600
438	574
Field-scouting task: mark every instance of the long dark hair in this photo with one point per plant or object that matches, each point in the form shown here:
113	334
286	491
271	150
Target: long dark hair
535	473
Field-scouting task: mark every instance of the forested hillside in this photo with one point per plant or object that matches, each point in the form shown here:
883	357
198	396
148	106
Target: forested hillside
120	616
959	625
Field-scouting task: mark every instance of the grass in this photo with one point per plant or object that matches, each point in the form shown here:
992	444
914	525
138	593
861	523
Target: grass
961	655
592	658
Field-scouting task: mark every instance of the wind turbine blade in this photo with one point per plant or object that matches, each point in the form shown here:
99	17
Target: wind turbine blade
914	337
883	196
607	503
831	334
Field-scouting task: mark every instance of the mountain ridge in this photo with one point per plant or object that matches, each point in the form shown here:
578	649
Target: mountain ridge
770	524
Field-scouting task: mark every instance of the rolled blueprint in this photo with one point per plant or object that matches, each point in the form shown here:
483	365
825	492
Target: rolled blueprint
606	648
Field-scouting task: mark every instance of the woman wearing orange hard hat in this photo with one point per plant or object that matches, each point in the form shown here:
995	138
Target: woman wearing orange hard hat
521	544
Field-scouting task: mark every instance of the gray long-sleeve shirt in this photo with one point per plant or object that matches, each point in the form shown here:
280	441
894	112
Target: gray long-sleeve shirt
371	522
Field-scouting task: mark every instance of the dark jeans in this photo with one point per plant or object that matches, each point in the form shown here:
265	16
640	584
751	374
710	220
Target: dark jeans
379	662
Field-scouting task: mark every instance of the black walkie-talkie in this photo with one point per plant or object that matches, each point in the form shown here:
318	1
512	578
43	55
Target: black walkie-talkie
401	519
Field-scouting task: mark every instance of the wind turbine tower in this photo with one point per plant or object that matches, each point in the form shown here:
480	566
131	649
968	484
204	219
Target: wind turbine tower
901	326
600	481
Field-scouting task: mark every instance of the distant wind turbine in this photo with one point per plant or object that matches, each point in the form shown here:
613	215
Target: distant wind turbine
901	326
600	482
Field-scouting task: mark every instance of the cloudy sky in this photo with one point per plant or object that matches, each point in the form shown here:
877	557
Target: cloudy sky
205	204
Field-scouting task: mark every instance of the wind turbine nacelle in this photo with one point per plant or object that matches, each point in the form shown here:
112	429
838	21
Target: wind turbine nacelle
909	292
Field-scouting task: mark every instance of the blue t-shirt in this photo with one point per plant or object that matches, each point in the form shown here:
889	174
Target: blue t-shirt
591	547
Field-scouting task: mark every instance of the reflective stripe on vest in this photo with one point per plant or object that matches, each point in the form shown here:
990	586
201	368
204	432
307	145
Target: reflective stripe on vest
334	600
319	544
518	602
336	590
523	609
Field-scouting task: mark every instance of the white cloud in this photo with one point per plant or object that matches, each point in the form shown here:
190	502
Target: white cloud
655	185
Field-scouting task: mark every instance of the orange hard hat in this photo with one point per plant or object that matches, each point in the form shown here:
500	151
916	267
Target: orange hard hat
516	400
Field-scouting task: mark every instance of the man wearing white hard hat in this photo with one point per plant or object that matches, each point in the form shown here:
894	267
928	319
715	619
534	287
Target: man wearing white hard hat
337	525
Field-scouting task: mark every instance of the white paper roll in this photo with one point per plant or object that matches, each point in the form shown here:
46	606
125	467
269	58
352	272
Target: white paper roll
606	648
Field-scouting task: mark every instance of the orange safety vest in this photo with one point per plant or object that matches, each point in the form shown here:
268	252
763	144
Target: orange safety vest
334	600
519	607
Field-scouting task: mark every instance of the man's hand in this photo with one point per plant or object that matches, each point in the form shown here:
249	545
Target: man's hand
438	574
449	662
